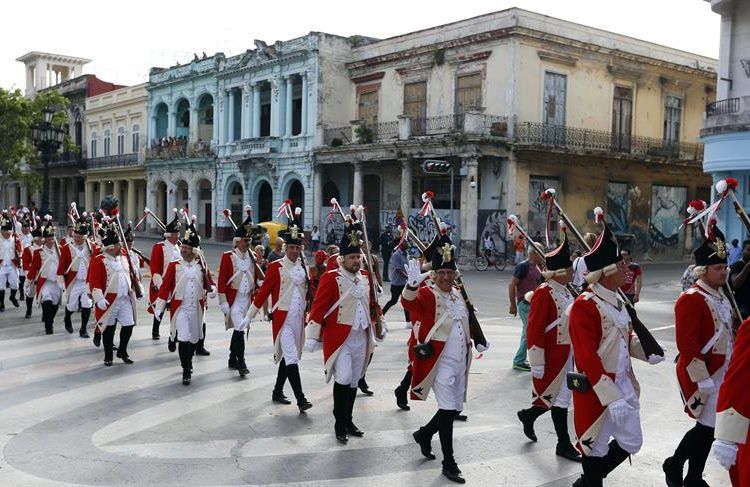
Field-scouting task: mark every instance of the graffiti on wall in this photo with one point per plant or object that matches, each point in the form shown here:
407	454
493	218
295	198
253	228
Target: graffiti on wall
667	205
493	223
537	217
617	207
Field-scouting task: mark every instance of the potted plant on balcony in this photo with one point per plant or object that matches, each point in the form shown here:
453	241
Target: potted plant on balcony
365	134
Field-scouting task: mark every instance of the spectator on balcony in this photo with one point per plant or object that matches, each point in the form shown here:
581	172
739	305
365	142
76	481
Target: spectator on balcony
315	238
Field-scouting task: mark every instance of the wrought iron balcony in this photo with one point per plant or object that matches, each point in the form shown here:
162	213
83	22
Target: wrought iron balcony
71	158
562	137
180	151
119	160
723	107
442	124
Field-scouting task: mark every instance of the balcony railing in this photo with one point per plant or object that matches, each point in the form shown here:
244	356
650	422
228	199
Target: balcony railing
589	140
72	158
119	160
178	151
341	135
441	124
722	107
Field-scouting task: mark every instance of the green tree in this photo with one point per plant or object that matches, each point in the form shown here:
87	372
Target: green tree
19	158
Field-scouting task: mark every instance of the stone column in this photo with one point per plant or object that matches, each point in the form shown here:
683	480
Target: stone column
275	108
406	186
357	190
288	106
220	117
171	200
245	122
171	123
24	195
117	190
132	204
318	202
256	110
151	132
303	130
469	201
230	125
193	132
217	116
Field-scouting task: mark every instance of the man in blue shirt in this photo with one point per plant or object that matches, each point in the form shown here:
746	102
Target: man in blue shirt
735	252
399	261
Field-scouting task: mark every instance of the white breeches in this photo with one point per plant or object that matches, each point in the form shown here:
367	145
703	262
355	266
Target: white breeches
708	412
628	435
291	340
564	395
8	277
121	312
50	292
79	290
238	310
189	325
450	384
349	366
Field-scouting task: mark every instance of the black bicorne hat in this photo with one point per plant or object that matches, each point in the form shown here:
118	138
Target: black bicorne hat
352	240
192	238
605	251
559	258
82	226
174	225
444	255
109	236
713	250
294	234
245	229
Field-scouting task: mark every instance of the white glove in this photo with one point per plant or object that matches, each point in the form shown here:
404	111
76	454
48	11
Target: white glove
707	386
245	325
212	293
224	308
27	287
482	348
414	274
537	371
654	359
260	282
311	344
61	282
619	411
725	452
156	280
102	304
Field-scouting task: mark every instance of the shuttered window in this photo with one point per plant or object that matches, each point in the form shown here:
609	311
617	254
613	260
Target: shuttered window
468	92
368	107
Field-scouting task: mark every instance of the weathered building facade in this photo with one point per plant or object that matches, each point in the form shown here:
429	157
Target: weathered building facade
516	102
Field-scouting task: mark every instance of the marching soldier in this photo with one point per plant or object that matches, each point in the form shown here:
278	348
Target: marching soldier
340	318
603	342
43	275
286	283
112	291
73	267
162	254
703	331
10	260
184	286
69	234
136	258
550	355
442	354
237	282
25	240
27	259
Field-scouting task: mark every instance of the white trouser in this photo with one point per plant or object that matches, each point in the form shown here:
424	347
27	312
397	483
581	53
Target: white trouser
79	290
121	312
291	339
238	310
50	292
189	325
8	277
450	383
628	435
349	366
564	395
707	416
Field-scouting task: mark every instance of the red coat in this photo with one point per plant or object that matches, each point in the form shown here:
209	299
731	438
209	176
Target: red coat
334	328
172	291
279	285
64	267
549	348
595	340
696	321
103	283
332	263
733	406
425	304
28	256
35	270
158	266
229	281
16	258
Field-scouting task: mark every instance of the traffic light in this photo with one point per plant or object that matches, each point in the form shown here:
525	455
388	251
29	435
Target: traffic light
434	166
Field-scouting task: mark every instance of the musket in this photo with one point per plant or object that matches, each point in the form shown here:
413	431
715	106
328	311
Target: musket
376	312
337	208
648	342
16	242
140	254
228	216
287	208
199	254
475	329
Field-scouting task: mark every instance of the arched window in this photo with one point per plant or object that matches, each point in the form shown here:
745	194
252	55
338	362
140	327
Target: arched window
136	138
94	142
107	143
120	140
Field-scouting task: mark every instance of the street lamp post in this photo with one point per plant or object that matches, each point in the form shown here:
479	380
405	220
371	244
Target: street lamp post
47	138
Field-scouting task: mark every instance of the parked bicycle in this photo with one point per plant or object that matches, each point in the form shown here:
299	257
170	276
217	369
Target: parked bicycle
490	257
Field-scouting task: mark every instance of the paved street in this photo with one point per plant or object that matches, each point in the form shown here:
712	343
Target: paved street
66	419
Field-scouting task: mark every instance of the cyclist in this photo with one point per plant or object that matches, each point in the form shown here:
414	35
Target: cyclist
489	246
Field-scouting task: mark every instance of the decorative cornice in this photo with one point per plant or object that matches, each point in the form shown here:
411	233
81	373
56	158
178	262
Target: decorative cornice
369	77
558	58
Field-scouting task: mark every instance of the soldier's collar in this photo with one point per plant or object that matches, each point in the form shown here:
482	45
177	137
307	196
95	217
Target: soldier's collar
714	292
556	285
606	295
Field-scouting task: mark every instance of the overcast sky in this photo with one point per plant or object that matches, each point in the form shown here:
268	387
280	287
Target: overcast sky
124	39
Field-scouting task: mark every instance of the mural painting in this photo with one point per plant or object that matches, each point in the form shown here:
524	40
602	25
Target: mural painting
493	223
617	207
537	219
667	205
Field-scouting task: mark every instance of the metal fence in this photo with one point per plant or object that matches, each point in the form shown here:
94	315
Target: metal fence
119	160
721	107
436	125
342	133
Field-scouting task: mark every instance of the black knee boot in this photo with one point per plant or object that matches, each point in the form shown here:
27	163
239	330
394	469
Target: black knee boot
701	447
527	417
53	312
155	327
108	338
592	472
402	391
564	448
340	405
238	340
67	321
85	314
21	284
185	350
29	304
2	300
351	428
200	348
122	348
292	372
673	465
278	389
13	297
445	430
46	317
613	458
423	436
